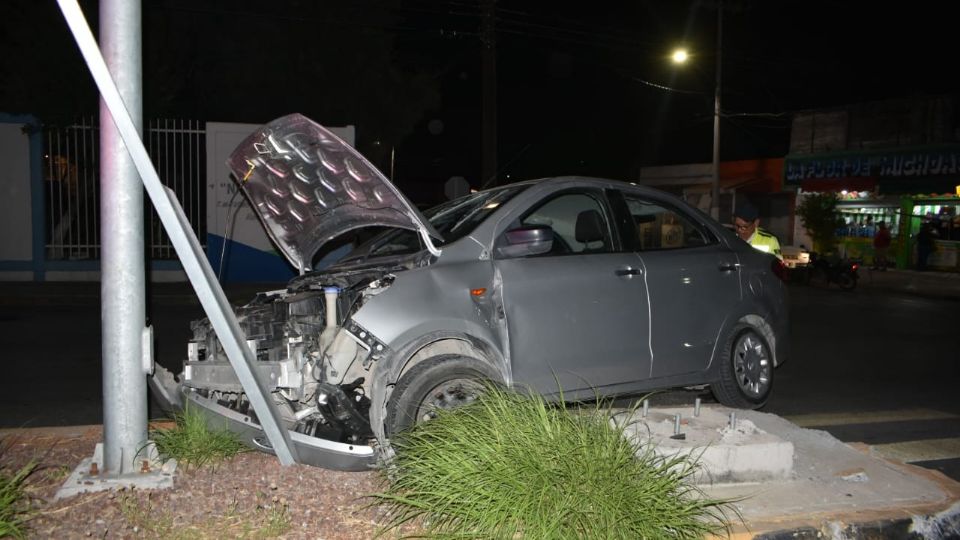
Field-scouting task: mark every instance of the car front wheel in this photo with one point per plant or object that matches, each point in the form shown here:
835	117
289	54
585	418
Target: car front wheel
441	382
746	370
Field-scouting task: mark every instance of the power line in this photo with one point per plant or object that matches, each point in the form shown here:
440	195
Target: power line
667	88
757	114
621	33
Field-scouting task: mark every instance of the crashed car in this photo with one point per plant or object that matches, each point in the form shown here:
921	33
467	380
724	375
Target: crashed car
570	286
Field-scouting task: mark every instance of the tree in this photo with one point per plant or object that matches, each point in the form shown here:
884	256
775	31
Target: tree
818	211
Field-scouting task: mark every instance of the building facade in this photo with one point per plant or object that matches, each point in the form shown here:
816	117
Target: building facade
896	162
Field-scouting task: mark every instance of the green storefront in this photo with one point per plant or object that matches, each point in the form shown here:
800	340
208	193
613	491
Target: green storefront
906	188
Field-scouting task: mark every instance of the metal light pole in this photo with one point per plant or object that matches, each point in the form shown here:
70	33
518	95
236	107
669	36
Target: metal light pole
715	184
122	265
488	165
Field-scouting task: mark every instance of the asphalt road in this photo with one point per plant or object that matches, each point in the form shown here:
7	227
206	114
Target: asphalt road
868	366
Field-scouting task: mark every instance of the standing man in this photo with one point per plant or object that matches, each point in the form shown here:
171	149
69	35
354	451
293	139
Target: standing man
746	221
924	245
881	243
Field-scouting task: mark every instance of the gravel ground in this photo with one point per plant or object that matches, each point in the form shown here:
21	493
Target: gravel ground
251	496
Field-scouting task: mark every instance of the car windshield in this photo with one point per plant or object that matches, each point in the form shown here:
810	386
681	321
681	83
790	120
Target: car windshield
453	220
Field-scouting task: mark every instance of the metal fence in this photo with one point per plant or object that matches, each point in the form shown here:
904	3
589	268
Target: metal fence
72	183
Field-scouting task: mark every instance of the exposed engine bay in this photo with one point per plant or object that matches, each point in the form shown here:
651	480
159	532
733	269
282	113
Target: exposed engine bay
315	361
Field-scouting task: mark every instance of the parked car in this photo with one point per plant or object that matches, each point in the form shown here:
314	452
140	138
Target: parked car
797	260
584	286
795	256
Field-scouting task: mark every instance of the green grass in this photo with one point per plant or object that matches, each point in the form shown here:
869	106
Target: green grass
512	466
192	442
13	512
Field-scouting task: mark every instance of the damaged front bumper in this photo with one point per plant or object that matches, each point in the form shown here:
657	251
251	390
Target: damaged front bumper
309	450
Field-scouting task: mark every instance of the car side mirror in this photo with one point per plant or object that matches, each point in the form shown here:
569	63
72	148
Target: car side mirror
525	241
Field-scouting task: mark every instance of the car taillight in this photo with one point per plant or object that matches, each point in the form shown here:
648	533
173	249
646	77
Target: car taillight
855	266
779	269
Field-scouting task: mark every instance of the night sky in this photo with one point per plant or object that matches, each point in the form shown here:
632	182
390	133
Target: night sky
583	88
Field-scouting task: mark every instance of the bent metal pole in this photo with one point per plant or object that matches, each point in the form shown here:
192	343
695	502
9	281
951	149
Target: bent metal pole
188	248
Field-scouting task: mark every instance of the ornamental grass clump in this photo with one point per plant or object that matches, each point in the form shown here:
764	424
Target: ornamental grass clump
13	500
512	466
192	442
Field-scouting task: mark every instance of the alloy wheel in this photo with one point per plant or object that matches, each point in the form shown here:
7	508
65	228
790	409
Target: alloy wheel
752	366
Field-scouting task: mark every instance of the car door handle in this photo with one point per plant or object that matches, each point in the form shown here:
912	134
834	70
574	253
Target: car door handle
728	267
628	272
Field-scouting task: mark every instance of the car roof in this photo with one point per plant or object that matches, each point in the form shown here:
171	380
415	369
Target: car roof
598	183
584	180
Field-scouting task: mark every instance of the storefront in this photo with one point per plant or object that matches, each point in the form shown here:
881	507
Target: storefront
940	214
862	214
908	190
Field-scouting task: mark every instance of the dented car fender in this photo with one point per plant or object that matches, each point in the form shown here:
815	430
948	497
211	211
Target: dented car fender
455	298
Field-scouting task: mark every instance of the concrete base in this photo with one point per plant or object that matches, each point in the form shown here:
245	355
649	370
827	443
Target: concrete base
740	453
841	490
88	476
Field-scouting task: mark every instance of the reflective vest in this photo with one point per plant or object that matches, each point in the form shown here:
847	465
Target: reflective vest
765	242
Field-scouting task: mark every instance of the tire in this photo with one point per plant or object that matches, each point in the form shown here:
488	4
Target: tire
446	381
745	376
846	281
819	278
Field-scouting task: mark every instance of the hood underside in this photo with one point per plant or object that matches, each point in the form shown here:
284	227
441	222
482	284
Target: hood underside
308	187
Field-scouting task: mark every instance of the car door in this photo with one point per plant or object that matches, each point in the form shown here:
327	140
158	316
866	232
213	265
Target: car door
692	281
576	315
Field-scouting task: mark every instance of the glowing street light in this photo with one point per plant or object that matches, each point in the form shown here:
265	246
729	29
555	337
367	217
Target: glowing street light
679	56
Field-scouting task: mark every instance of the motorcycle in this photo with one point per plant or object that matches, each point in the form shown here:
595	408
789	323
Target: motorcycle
826	270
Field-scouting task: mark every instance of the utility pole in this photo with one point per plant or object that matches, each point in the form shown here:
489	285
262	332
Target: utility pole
488	37
715	184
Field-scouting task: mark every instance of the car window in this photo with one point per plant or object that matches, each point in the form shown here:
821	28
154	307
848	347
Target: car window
578	221
659	226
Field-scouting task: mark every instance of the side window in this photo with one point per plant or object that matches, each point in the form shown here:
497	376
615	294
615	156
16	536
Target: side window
578	221
659	226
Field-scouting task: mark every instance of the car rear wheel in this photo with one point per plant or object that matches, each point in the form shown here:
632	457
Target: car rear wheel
846	281
746	370
441	382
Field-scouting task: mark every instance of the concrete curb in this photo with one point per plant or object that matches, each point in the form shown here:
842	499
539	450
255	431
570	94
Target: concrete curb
69	432
933	525
891	500
924	521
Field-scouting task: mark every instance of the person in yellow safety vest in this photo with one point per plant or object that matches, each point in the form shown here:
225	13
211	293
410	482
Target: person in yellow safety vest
746	221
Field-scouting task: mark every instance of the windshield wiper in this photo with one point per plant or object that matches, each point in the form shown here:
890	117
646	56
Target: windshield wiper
377	244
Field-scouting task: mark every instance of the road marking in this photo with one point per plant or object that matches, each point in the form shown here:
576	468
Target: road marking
870	417
924	450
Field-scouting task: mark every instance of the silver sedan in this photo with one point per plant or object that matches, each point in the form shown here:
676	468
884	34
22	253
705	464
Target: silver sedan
584	286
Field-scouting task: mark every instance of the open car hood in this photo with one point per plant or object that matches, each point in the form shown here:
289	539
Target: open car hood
309	187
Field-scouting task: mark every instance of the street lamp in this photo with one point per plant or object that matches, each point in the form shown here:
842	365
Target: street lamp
680	56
